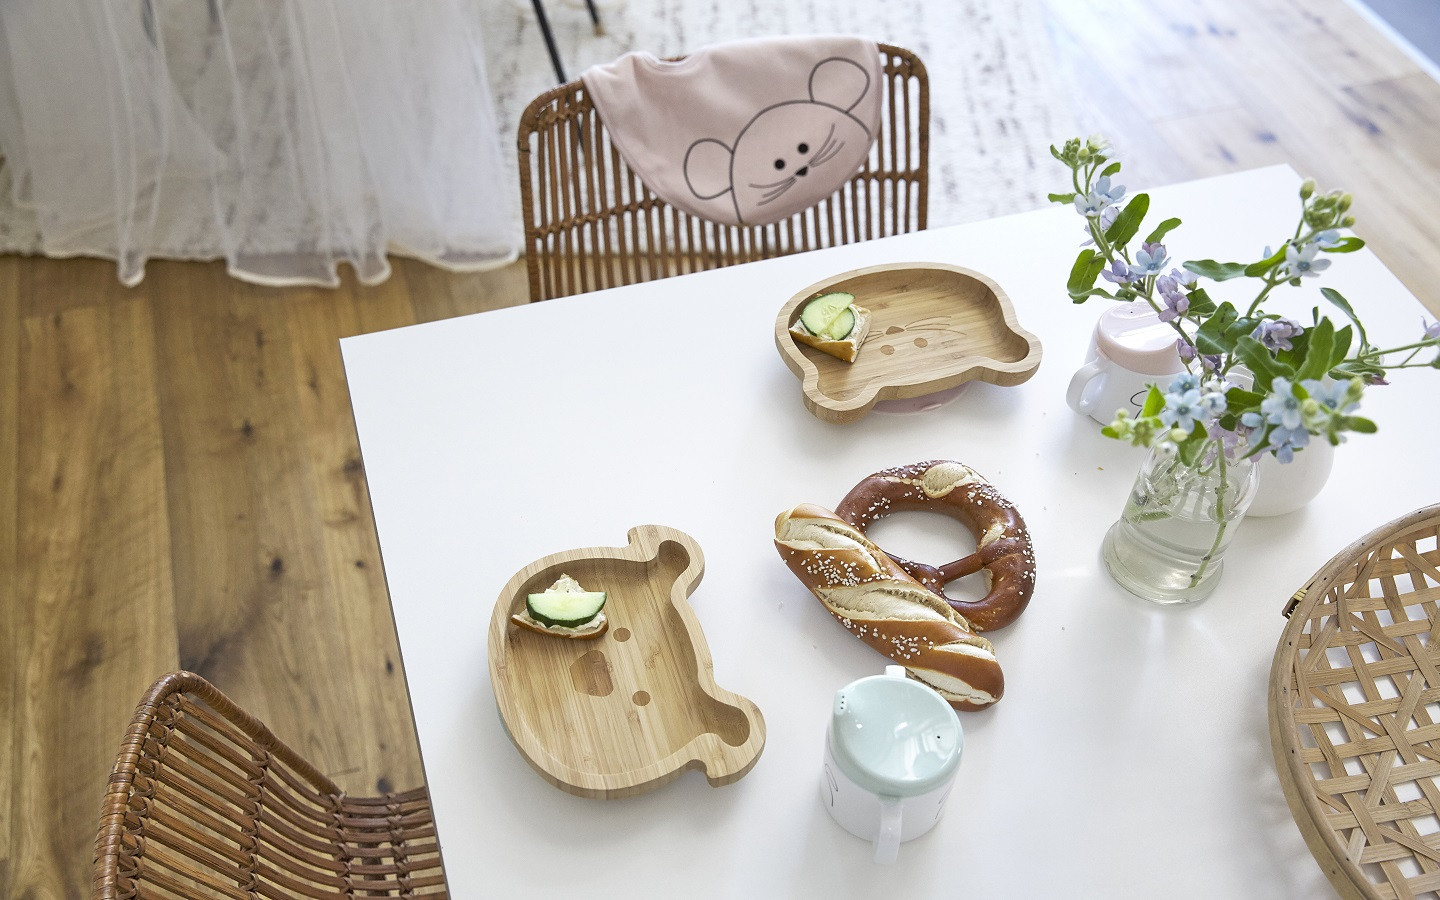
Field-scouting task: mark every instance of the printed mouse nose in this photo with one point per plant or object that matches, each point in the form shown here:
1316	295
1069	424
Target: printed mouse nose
802	170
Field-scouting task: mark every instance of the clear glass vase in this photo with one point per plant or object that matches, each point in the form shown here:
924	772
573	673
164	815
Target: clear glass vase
1169	544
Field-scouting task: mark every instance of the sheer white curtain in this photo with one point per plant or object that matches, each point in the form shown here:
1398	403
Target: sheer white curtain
285	136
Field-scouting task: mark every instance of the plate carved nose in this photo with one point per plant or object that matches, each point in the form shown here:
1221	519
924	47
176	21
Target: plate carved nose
802	170
591	674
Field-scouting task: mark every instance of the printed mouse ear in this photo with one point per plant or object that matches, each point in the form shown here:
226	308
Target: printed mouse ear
839	82
707	168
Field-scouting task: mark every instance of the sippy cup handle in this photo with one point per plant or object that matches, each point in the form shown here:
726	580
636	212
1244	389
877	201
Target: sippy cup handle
887	841
1075	394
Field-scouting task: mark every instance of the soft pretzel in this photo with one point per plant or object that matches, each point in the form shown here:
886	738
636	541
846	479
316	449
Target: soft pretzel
879	603
1003	549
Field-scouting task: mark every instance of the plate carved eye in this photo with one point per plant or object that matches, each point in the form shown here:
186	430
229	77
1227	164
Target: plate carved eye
779	163
803	148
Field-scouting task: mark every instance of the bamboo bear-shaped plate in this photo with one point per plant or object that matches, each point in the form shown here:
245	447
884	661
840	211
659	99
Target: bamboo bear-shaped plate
934	326
631	710
1355	711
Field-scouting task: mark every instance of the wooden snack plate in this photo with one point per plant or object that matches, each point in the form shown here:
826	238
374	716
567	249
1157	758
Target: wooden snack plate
631	710
1354	722
934	327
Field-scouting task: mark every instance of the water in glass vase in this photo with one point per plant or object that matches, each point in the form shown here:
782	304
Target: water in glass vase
1170	541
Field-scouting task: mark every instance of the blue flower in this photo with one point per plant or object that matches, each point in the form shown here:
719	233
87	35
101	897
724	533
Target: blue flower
1118	273
1185	350
1336	396
1213	403
1183	383
1285	441
1252	420
1281	406
1325	239
1107	218
1182	410
1150	259
1275	334
1301	263
1106	192
1090	205
1432	329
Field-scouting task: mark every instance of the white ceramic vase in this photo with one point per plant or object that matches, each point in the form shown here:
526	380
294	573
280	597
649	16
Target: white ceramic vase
1286	487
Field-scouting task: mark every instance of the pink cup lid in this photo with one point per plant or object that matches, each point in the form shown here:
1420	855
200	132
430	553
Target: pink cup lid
1132	335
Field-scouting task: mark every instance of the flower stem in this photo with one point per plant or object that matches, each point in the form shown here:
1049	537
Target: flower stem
1219	515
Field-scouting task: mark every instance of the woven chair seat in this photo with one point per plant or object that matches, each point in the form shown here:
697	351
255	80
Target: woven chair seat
204	801
1355	711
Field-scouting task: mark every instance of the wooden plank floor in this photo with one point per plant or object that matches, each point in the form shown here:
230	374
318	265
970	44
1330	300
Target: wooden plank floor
180	482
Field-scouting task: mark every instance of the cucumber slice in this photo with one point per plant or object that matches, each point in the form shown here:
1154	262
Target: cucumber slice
840	329
819	315
569	609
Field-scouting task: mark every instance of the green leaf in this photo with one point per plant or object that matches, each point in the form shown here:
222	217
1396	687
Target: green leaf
1193	445
1343	337
1264	265
1128	222
1336	298
1347	244
1083	274
1211	269
1111	169
1154	402
1357	423
1200	303
1317	351
1082	296
1354	368
1258	360
1056	153
1239	400
1210	338
1062	198
1162	229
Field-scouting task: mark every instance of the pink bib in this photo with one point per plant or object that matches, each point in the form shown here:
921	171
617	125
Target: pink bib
748	132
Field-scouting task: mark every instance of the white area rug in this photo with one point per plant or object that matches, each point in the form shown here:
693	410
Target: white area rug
995	101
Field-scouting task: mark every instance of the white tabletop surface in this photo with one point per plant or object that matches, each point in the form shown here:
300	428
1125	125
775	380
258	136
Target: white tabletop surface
1130	754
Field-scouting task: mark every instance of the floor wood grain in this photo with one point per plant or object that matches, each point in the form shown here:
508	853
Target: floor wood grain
180	482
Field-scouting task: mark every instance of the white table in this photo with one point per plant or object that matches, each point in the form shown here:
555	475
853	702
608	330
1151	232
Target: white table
1130	754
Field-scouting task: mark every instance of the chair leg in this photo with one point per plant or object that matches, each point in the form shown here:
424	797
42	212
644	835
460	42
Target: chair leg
595	17
549	42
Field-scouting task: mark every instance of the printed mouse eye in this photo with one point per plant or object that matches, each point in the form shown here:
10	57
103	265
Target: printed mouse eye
803	148
779	163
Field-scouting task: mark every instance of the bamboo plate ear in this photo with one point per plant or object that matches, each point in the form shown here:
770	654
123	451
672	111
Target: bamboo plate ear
934	326
631	710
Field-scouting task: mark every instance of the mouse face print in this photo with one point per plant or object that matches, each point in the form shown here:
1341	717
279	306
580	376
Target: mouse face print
791	154
790	151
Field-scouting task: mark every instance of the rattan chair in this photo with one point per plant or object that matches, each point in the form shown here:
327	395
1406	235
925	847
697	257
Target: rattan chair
591	223
204	801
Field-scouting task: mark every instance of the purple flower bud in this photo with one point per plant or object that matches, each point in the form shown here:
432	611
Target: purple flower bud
1275	334
1118	273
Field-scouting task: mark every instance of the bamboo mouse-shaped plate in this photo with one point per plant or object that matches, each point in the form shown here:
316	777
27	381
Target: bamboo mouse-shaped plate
631	710
934	326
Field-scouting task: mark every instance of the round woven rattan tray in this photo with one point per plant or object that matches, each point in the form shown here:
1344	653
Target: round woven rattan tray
1355	711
